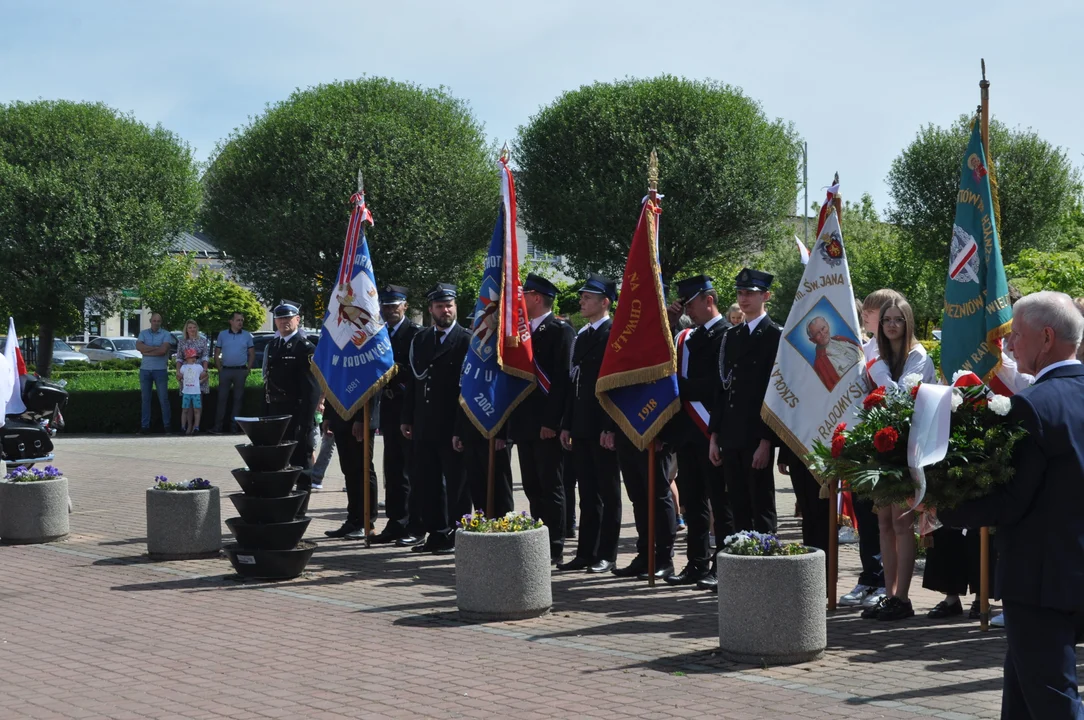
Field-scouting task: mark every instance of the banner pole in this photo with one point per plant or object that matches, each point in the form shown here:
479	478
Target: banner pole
833	543
366	454
984	533
651	514
490	480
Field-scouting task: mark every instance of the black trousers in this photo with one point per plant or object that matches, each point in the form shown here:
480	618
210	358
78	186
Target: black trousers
476	465
869	543
397	496
299	430
634	469
1040	664
814	509
351	459
436	470
568	466
751	492
703	492
600	500
954	561
541	467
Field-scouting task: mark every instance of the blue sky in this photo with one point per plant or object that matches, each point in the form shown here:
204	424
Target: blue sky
857	79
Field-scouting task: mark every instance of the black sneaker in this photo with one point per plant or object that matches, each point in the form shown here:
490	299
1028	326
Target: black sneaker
871	613
896	609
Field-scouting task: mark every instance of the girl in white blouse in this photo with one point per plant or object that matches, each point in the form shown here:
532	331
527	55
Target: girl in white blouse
899	356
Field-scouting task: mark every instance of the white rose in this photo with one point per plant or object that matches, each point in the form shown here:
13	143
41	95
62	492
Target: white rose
957	399
1000	404
909	381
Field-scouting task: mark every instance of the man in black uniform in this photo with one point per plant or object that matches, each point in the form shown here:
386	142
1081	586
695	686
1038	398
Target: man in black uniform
349	441
290	388
589	432
430	405
699	482
634	469
402	508
741	443
535	425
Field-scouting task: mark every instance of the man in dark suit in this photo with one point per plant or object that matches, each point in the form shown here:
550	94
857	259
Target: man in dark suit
430	404
401	506
741	443
589	433
699	482
535	425
349	434
1040	525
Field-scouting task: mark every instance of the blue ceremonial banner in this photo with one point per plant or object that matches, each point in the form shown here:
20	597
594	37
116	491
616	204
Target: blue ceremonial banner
353	360
498	371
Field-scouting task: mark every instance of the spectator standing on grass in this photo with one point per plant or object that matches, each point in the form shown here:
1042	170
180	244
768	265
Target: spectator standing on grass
191	339
189	375
155	344
235	356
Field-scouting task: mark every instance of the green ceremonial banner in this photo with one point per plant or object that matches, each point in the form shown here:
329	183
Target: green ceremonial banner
977	309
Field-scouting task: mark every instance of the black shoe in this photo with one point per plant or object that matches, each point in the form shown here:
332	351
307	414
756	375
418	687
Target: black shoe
708	582
214	431
342	532
602	566
689	575
448	549
945	609
896	609
422	548
661	573
144	431
872	612
557	559
570	534
576	563
409	541
975	613
384	537
358	534
637	566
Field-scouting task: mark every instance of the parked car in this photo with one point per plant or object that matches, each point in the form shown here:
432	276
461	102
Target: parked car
62	351
112	348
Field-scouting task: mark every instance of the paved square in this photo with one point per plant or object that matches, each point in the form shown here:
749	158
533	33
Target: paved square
89	628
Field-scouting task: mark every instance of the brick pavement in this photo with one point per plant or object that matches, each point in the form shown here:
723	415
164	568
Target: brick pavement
91	629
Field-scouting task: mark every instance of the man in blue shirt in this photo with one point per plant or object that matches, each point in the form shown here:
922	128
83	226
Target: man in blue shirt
155	344
235	355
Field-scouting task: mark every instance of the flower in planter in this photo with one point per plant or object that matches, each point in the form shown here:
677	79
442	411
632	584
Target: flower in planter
511	522
161	482
750	542
22	474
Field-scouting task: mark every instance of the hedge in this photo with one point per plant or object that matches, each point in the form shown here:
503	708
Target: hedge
110	401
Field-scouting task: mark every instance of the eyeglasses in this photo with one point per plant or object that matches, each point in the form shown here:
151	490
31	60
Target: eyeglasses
893	321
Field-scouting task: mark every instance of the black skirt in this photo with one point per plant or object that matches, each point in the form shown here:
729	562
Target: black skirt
953	562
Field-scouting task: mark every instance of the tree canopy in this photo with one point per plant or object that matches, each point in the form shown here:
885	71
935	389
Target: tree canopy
179	291
1037	188
277	191
728	173
88	198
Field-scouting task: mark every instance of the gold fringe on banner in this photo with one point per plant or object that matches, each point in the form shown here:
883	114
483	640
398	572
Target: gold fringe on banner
344	412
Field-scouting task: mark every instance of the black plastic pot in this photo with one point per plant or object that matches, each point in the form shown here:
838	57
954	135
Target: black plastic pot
264	458
268	536
270	564
264	430
266	484
256	510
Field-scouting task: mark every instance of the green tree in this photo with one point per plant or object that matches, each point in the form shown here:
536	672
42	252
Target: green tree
1037	188
727	172
277	190
1035	270
179	290
88	198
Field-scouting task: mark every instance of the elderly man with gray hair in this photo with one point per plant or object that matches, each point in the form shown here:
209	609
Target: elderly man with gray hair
1040	527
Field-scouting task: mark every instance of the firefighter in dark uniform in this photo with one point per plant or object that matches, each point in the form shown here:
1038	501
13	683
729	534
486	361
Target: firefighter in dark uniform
535	426
290	388
401	506
700	483
741	443
349	433
430	405
589	432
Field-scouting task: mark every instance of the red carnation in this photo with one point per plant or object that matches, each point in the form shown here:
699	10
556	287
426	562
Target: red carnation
837	445
885	439
875	398
914	391
839	429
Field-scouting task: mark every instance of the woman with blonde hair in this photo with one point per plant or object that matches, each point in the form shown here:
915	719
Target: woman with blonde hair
191	338
900	355
734	315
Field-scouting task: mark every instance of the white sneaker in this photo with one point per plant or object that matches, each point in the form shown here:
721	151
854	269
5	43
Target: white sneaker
998	620
847	535
317	486
856	596
874	597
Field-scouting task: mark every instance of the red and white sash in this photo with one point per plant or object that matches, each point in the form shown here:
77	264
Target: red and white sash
695	409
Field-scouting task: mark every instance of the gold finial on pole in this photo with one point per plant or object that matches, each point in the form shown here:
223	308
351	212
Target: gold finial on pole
361	182
504	154
653	173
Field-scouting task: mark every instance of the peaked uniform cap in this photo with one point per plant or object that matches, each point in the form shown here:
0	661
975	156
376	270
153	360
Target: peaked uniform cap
753	280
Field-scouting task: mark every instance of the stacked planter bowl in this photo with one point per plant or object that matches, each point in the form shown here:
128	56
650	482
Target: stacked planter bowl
268	533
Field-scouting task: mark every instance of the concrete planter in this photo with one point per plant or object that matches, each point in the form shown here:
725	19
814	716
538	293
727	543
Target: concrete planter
772	609
33	512
502	576
183	524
